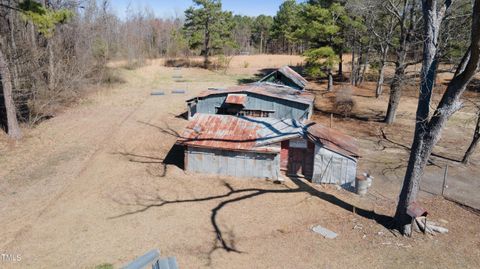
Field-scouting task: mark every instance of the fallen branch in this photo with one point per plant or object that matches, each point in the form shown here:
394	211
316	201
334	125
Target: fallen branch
429	226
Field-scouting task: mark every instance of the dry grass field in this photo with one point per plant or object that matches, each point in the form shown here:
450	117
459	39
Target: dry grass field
91	186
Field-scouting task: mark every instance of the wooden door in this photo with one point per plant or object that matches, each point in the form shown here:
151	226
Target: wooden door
301	160
295	161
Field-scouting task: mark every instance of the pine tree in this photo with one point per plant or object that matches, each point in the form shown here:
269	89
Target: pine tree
207	26
285	23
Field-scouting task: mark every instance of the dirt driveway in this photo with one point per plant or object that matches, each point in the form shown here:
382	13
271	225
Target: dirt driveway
90	187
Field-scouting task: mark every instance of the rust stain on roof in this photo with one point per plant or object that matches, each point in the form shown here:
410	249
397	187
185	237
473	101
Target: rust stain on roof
333	139
237	133
258	134
236	99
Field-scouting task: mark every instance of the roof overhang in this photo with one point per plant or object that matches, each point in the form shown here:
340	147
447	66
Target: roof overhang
236	99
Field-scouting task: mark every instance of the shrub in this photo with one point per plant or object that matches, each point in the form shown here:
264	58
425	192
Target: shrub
344	102
177	62
222	62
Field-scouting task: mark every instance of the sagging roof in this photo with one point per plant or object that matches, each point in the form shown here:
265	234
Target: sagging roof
265	89
236	99
257	134
288	73
332	139
238	133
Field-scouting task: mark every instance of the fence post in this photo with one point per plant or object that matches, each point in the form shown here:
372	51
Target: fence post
445	174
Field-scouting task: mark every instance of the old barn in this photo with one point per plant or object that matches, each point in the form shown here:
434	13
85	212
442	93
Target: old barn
264	147
260	99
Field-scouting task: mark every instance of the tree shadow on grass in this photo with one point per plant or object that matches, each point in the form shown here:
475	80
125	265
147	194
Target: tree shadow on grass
225	241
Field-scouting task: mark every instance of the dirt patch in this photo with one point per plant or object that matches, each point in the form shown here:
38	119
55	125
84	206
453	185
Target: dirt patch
99	190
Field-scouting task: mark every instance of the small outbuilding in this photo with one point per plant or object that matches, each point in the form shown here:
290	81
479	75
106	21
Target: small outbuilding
264	147
262	99
288	77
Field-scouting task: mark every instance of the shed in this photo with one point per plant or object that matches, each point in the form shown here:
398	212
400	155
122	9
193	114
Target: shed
254	100
286	76
263	147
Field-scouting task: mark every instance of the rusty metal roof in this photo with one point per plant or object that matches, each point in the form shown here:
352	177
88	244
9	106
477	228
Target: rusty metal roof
238	133
257	134
289	73
236	99
332	139
265	89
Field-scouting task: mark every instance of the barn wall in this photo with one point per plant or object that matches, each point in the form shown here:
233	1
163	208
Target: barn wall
233	163
284	109
334	168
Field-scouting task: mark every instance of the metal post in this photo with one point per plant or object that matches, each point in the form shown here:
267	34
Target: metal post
445	174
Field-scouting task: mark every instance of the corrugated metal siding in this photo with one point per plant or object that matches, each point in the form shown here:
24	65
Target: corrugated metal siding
284	109
210	103
331	167
233	163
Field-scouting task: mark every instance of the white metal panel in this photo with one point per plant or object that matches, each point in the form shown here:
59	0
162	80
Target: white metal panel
331	167
231	163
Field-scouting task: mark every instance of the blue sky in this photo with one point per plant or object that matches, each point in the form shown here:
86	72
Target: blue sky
169	8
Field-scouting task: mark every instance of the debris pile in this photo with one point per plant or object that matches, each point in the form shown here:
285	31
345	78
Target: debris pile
426	226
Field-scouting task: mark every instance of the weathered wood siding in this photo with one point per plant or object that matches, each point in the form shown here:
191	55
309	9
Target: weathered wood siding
233	163
283	109
331	167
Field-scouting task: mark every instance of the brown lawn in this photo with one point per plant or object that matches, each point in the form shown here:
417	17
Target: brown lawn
90	186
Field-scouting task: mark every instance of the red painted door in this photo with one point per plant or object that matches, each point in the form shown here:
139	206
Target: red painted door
301	159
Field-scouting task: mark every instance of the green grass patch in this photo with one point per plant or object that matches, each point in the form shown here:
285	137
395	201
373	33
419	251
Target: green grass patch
104	266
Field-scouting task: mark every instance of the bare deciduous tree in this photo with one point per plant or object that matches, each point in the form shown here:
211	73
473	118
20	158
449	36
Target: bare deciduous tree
475	141
12	123
405	12
428	128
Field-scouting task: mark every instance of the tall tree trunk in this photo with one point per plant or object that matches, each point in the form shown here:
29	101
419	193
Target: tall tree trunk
358	65
427	132
381	75
395	90
340	64
352	72
261	42
365	65
12	124
330	80
51	64
33	37
206	47
474	143
406	31
14	54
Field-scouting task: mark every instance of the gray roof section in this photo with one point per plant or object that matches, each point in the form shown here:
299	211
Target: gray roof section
290	74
